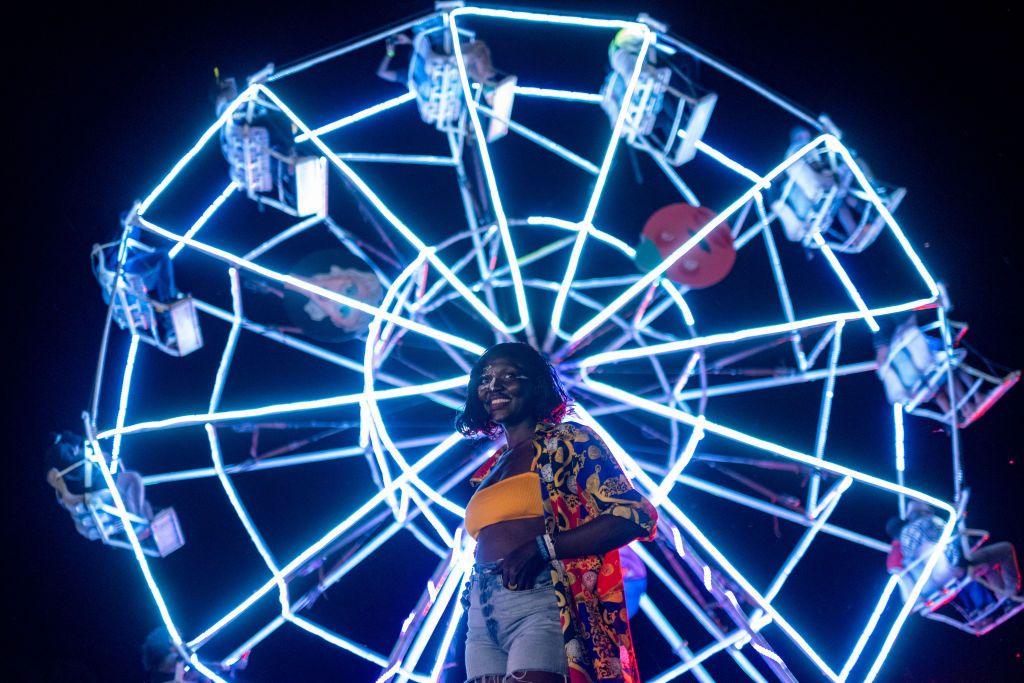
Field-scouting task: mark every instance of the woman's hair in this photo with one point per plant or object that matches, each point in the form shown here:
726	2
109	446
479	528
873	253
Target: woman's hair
545	393
893	527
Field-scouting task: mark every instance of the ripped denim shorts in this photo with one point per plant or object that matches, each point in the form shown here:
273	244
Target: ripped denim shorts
510	631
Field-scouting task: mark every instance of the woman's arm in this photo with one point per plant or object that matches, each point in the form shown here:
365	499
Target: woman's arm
596	537
621	513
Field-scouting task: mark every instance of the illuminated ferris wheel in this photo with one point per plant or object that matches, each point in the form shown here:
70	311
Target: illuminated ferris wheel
299	300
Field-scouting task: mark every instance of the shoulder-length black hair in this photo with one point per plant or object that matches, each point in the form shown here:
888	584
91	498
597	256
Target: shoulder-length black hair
546	394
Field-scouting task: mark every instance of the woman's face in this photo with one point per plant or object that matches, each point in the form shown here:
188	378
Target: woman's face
504	392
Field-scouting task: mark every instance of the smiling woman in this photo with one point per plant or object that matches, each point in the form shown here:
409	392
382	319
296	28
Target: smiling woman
552	508
504	370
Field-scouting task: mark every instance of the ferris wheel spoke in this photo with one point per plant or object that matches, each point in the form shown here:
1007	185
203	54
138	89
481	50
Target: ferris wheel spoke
394	220
710	340
587	221
311	288
658	271
229	111
491	181
478	251
285	408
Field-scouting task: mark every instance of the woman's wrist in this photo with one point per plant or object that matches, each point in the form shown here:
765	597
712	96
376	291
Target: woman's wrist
546	546
542	548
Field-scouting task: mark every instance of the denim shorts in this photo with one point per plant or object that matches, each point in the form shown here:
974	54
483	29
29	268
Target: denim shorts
512	630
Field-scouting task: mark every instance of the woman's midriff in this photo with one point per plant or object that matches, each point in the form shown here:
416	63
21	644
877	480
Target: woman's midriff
497	540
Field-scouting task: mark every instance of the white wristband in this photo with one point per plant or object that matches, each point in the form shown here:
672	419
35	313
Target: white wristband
550	544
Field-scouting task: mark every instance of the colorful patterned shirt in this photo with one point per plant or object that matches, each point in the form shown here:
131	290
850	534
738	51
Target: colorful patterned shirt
920	534
581	480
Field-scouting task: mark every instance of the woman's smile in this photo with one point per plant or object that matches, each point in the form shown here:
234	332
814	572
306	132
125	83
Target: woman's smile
498	402
500	390
501	406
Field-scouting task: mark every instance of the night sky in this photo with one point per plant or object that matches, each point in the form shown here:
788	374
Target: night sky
107	100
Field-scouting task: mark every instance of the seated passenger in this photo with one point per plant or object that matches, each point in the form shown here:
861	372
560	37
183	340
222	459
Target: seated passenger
669	109
822	193
811	178
160	659
78	484
258	144
146	287
164	664
624	50
971	599
394	67
432	49
151	266
915	537
433	77
993	566
911	365
652	83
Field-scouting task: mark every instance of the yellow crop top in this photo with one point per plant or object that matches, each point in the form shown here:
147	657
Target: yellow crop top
516	497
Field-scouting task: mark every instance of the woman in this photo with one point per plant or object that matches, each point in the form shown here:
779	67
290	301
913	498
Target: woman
551	509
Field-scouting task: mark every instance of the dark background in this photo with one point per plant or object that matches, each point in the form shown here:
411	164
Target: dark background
106	99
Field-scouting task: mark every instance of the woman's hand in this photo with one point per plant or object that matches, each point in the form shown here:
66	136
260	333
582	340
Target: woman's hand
520	566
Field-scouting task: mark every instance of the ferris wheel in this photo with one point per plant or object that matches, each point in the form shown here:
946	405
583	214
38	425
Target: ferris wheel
295	307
